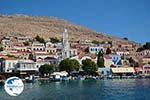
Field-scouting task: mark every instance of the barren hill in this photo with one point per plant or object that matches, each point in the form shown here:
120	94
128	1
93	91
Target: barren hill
49	27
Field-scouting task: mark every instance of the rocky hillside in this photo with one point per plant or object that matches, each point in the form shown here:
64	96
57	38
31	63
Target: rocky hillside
49	27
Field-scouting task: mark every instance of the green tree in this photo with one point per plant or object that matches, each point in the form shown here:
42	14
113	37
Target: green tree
131	60
140	49
40	39
125	38
108	51
69	65
110	42
26	43
103	42
146	46
75	64
95	42
32	57
133	63
37	38
46	69
89	66
100	59
11	56
54	40
1	49
87	50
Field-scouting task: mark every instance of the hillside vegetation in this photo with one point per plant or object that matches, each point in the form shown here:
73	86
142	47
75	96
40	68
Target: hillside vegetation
47	27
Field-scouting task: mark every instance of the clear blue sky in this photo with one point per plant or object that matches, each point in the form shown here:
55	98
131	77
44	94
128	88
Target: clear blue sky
122	18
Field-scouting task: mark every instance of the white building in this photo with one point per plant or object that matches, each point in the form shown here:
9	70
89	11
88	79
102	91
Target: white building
95	49
123	53
143	53
41	55
26	65
49	44
36	46
51	50
23	38
5	42
73	52
21	48
8	65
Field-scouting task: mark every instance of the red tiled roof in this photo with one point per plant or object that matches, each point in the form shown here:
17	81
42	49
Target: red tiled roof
93	56
107	57
42	54
9	58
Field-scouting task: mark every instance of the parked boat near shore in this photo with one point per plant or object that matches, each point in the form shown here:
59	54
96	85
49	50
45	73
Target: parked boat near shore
59	76
30	79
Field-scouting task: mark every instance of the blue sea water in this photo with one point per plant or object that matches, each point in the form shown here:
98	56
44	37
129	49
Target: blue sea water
125	89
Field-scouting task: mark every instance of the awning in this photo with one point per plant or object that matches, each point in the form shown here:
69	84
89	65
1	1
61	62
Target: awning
123	70
23	73
63	73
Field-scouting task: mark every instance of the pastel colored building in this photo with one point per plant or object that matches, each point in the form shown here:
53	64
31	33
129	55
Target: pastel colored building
116	59
146	69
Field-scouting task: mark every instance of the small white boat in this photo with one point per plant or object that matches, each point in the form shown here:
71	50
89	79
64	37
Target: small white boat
29	79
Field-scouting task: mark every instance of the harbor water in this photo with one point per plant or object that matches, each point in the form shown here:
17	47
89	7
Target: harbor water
117	89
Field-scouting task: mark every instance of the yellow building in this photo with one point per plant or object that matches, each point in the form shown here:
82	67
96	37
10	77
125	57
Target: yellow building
145	60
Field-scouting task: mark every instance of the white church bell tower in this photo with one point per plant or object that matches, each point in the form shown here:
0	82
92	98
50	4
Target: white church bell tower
65	50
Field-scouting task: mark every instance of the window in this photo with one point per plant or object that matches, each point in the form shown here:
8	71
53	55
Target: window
95	49
13	64
37	66
74	52
24	66
65	53
9	64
